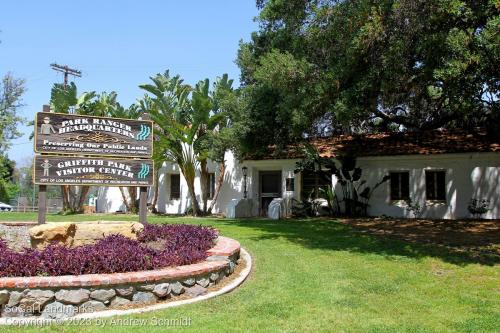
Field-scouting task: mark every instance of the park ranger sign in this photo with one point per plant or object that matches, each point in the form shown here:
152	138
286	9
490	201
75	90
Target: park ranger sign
96	171
58	133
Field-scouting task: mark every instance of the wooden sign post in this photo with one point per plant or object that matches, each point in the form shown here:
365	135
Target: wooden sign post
85	150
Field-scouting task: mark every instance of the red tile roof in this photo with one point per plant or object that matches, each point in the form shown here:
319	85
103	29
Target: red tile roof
384	144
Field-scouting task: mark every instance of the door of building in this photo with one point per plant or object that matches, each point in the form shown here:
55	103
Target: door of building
270	188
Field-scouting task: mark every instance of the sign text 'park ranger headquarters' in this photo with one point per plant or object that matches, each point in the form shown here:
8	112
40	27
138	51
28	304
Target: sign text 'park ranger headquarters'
58	133
96	171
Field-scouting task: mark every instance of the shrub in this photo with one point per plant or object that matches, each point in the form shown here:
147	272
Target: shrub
478	207
414	207
181	245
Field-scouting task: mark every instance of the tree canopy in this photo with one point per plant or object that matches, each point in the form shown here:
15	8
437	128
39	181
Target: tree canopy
321	66
11	91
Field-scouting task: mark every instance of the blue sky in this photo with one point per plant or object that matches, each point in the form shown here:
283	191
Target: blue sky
117	45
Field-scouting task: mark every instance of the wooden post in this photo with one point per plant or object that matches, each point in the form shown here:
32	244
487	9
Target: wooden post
42	203
143	207
42	189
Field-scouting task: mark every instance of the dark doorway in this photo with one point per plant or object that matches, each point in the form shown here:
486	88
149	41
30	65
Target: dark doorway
270	188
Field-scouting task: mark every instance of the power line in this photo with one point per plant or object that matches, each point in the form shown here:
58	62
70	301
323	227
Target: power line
67	71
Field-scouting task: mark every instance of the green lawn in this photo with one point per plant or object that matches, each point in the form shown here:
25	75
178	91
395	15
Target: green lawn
321	276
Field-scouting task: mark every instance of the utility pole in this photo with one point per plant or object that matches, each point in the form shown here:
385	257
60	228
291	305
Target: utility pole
67	71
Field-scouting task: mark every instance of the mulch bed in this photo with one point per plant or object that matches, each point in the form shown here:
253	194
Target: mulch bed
476	238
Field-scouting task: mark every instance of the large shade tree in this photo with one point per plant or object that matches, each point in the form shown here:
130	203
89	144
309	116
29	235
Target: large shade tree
321	66
11	92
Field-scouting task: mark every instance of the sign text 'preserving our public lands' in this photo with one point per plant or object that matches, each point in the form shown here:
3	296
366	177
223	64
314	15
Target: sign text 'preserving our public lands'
59	133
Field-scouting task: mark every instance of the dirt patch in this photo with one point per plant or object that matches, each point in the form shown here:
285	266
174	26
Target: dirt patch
17	237
476	238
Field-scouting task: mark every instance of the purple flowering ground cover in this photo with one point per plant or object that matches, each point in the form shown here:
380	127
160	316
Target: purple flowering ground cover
157	246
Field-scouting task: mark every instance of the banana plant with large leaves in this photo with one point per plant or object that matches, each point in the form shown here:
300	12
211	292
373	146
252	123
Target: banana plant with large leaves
175	127
210	117
225	103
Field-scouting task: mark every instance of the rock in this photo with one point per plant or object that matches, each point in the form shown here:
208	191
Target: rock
15	298
143	297
146	287
57	310
214	276
196	291
189	282
61	233
12	312
103	295
4	297
91	307
162	289
119	301
177	288
34	300
230	269
203	281
89	233
77	296
76	234
125	291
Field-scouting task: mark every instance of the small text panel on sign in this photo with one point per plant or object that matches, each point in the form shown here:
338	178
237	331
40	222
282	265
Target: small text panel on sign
59	133
94	171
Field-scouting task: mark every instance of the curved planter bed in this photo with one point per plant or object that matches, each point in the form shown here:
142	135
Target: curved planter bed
59	297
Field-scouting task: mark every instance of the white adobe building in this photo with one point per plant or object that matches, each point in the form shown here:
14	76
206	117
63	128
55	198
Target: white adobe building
442	171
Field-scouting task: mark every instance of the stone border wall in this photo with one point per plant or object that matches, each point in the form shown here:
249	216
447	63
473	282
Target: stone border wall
57	297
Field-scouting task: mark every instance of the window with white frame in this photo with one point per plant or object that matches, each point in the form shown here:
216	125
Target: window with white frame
400	185
435	185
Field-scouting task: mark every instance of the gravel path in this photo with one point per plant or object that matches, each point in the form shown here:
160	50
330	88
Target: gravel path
17	237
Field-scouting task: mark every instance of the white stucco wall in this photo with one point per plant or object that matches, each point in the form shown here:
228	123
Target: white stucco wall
285	166
467	175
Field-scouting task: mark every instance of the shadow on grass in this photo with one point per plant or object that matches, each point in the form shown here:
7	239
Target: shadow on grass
331	235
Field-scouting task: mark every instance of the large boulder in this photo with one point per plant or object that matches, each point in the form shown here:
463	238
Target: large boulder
61	233
76	234
88	233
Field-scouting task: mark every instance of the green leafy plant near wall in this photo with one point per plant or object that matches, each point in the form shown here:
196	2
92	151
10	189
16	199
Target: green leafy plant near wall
356	193
478	207
414	207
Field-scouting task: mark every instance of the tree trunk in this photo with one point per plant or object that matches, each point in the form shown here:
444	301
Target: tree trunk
218	186
124	198
65	197
194	200
132	194
204	183
155	194
84	190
